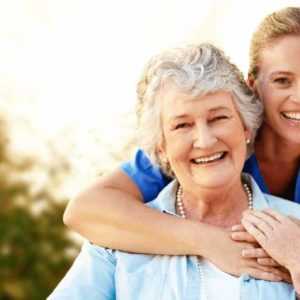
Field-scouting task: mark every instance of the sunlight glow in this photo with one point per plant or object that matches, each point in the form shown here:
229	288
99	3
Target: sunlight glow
72	65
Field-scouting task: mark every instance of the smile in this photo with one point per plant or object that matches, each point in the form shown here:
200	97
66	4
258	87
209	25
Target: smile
209	159
295	116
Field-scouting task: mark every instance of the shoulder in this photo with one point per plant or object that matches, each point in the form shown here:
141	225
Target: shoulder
264	201
165	201
92	266
284	206
147	176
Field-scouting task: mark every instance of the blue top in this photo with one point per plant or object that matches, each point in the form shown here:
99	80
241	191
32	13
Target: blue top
150	180
105	274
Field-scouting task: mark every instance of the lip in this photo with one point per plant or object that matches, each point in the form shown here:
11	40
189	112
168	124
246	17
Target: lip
223	156
291	122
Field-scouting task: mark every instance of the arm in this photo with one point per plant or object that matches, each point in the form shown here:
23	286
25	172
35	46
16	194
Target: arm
110	213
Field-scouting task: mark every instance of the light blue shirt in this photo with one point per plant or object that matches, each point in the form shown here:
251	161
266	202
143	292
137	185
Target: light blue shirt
104	274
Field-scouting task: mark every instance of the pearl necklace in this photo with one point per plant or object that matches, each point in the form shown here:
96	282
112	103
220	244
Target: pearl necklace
181	211
180	206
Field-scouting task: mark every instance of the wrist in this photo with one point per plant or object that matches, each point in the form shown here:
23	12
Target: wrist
209	235
295	274
199	245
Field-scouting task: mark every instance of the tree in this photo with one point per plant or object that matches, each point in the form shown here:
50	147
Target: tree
35	247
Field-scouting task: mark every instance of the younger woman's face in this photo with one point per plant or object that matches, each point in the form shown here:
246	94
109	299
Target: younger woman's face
278	86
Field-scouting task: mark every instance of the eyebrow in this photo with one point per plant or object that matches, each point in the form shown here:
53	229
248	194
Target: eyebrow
213	110
219	108
280	73
174	117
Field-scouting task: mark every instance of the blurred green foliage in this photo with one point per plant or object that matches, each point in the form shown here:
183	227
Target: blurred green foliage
35	248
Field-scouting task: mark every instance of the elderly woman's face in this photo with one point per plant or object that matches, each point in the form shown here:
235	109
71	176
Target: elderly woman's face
204	137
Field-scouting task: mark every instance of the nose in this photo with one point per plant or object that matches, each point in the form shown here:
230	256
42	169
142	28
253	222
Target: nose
204	137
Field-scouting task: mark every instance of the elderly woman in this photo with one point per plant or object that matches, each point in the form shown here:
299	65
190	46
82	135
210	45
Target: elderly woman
198	119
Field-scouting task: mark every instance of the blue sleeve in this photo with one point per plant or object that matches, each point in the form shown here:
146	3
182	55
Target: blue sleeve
148	177
90	277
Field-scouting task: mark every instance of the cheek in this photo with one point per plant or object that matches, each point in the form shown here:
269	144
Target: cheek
265	94
265	90
178	146
238	143
234	136
271	97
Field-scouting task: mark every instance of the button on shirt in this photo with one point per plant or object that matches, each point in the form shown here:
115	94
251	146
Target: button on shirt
104	274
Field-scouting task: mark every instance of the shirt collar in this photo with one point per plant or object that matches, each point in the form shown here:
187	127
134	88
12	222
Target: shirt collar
165	201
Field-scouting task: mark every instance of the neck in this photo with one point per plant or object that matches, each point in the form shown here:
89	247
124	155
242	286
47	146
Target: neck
278	162
270	147
220	208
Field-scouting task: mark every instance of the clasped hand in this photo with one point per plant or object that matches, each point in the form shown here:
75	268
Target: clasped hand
278	237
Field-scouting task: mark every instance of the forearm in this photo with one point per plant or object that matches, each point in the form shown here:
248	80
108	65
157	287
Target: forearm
120	222
129	225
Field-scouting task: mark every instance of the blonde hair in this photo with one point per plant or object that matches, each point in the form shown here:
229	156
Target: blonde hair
276	25
196	70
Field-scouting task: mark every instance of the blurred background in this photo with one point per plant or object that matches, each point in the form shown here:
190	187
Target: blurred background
68	70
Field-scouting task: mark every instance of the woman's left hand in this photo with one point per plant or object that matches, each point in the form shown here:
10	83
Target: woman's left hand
279	236
239	234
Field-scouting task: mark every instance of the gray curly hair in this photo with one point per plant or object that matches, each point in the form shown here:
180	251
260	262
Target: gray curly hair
195	70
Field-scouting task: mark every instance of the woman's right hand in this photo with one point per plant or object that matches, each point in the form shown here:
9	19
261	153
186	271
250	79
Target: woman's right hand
227	255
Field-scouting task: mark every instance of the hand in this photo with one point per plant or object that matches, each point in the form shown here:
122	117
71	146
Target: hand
277	234
239	234
227	255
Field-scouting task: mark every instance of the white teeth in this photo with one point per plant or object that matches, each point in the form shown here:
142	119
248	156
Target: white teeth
292	115
207	159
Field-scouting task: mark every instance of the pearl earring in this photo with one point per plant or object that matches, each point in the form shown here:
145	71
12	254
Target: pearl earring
248	141
164	160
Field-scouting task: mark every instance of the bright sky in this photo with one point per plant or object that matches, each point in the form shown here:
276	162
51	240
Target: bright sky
72	65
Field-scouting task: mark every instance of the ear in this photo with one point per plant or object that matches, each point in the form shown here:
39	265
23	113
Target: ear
251	82
161	151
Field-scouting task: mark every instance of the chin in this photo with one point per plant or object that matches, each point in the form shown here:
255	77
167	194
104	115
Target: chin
215	182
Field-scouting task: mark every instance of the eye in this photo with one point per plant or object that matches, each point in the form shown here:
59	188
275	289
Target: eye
182	125
219	118
282	81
